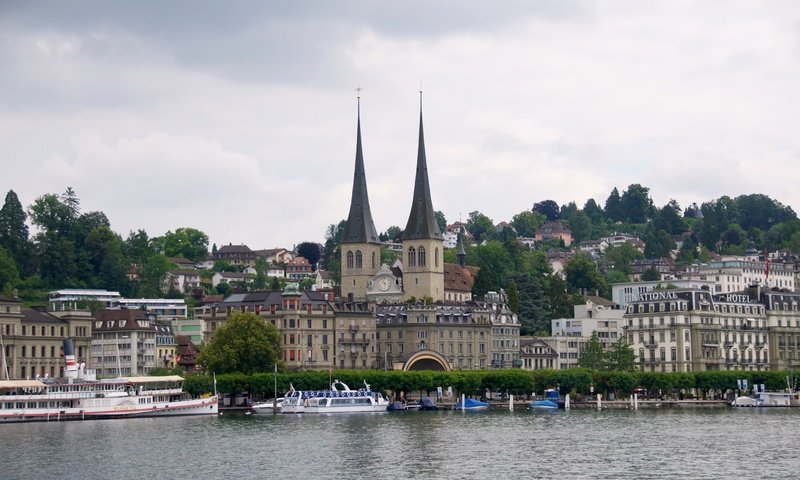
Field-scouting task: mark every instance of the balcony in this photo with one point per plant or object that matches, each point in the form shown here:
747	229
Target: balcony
356	341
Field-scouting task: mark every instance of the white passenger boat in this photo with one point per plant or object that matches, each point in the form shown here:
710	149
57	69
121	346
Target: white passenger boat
769	399
335	400
80	396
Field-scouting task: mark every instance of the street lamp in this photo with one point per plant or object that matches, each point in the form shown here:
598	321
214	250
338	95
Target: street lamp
275	391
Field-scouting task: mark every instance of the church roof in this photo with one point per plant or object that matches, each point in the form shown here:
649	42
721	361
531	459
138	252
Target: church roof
457	278
421	221
359	227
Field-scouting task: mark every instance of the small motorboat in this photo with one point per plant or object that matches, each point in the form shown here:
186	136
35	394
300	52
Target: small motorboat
472	405
426	403
397	407
543	405
266	407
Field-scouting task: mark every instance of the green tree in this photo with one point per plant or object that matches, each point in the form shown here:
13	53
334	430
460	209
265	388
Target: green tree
331	252
527	222
513	296
580	225
613	206
151	276
480	226
651	275
582	274
592	356
246	343
593	211
262	267
391	234
137	248
717	215
9	276
548	208
622	257
669	219
762	212
275	284
636	204
532	312
186	242
311	251
441	221
109	270
51	215
495	265
620	357
558	302
616	276
14	233
223	266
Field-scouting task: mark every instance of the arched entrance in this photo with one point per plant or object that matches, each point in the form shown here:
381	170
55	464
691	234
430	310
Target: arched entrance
427	360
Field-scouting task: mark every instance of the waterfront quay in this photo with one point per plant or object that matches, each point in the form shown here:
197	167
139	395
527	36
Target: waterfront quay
585	403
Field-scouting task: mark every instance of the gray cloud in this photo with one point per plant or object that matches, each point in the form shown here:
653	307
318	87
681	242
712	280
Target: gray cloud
239	118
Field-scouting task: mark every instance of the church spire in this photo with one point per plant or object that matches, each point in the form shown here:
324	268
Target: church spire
359	227
421	221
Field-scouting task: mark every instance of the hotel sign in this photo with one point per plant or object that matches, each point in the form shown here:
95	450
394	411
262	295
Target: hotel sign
735	298
651	296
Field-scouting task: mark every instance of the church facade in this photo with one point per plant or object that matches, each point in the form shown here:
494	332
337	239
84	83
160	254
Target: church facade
425	315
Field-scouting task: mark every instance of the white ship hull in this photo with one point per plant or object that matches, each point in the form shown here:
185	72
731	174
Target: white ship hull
334	401
122	409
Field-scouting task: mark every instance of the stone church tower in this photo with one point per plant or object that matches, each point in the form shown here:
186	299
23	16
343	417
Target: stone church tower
423	246
360	247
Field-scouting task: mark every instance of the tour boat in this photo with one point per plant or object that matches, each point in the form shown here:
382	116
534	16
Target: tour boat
335	400
80	396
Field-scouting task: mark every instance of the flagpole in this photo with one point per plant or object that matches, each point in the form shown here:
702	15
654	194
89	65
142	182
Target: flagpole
275	394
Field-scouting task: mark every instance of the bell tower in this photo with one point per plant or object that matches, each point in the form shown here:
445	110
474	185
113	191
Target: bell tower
360	247
423	246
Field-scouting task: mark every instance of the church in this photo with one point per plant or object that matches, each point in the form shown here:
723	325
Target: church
424	311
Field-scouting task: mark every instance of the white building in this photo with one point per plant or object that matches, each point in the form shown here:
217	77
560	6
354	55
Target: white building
182	280
624	293
163	308
123	343
232	277
74	298
736	275
570	335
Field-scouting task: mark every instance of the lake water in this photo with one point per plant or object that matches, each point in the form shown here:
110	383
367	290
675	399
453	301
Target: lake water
687	443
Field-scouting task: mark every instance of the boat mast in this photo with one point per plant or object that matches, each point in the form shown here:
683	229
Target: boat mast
3	347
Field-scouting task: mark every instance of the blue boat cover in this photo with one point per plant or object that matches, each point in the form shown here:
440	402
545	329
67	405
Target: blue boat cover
426	403
471	403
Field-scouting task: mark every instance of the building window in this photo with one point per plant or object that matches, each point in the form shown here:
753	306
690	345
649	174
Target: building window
421	256
373	259
359	260
412	257
436	257
349	259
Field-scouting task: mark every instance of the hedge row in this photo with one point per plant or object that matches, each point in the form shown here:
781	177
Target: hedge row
517	382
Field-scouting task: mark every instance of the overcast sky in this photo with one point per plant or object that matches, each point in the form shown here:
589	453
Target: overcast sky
239	118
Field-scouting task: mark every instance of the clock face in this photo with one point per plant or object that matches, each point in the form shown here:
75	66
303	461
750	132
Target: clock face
384	283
